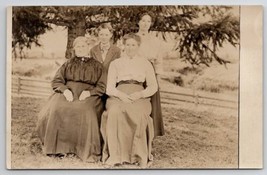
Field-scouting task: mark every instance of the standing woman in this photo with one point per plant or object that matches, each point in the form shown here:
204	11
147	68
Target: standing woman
127	127
150	49
68	123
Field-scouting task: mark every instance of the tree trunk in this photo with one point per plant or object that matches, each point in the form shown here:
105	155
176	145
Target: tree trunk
75	30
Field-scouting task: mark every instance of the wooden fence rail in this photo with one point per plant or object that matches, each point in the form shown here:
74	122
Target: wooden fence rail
42	88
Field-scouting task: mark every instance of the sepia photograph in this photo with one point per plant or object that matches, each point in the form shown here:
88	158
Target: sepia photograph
124	87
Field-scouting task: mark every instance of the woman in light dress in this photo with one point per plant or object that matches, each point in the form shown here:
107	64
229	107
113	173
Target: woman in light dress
151	49
127	127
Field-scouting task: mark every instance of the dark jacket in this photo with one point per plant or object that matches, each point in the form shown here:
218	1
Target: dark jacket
113	53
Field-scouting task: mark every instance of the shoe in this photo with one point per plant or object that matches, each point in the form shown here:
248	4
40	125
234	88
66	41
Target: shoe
61	155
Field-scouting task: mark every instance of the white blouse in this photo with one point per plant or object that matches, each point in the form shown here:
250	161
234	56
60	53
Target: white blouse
136	68
151	48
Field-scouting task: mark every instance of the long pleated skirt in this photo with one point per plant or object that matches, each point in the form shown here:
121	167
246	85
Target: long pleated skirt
127	129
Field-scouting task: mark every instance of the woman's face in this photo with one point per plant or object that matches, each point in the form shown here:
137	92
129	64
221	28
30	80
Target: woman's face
145	23
81	49
104	36
131	47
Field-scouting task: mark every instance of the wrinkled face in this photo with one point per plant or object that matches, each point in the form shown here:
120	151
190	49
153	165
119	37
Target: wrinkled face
104	36
81	49
145	23
131	47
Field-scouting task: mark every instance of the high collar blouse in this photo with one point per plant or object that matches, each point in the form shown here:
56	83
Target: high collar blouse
136	68
83	70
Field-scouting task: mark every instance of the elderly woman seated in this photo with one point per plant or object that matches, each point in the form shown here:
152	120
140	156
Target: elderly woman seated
69	122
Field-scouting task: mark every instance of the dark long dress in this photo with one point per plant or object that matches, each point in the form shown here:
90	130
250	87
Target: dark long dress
73	127
156	114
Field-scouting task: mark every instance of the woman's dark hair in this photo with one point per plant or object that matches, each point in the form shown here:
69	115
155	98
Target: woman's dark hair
134	36
141	15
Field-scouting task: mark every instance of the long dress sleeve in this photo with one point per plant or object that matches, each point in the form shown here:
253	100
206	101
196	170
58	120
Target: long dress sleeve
59	82
159	61
100	88
157	56
151	82
111	81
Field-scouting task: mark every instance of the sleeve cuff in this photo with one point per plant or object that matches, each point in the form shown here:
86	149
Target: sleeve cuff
143	94
91	92
60	89
116	93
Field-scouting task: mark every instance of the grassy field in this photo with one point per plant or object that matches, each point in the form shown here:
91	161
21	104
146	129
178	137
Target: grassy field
196	137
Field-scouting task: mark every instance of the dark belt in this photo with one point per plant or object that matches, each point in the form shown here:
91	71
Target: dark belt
130	82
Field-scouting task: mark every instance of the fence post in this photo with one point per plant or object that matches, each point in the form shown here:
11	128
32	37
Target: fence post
197	97
195	94
19	84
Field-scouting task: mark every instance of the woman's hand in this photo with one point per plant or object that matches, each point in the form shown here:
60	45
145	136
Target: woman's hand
124	97
84	95
68	95
136	96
